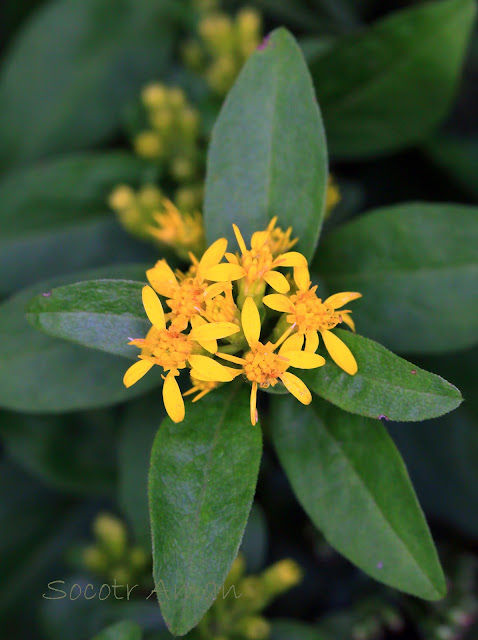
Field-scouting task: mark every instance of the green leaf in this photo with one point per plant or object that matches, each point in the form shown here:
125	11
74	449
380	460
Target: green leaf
101	314
51	209
74	453
417	268
269	139
458	157
41	374
202	480
139	426
387	87
384	386
121	631
68	92
287	629
350	479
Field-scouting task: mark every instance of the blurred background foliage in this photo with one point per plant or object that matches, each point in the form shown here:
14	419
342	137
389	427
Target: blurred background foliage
86	131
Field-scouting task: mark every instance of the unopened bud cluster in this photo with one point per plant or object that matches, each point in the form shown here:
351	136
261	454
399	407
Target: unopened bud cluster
222	46
237	612
111	556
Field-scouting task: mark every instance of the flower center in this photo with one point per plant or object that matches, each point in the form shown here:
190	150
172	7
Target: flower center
219	309
263	365
257	262
310	313
171	348
187	301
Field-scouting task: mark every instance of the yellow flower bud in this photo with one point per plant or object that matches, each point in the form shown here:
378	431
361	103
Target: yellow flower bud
189	198
193	55
111	533
121	198
182	169
94	559
221	74
217	32
153	95
248	24
138	558
150	196
162	120
253	628
176	97
333	195
189	121
121	575
281	577
147	144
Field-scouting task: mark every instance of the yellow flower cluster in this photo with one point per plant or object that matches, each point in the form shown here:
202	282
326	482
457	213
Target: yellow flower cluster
223	46
220	310
172	136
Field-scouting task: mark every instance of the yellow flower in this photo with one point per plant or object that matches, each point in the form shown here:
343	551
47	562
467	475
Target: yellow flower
263	367
184	232
201	388
333	195
173	350
257	265
311	316
187	296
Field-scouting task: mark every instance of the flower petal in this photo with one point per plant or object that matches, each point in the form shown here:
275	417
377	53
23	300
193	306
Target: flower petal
339	299
339	352
277	281
232	258
215	289
294	343
212	256
136	372
211	369
240	239
172	398
231	358
153	308
345	315
259	238
290	259
214	331
251	321
304	359
253	403
278	302
224	272
162	278
302	278
311	341
296	387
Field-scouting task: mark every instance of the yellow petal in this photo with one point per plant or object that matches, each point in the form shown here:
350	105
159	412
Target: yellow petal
251	321
215	289
162	278
212	256
339	352
339	299
209	345
214	331
302	278
290	259
296	387
172	398
232	258
294	343
224	272
304	359
277	281
253	403
240	239
278	302
311	341
136	372
210	368
153	308
348	320
259	238
231	358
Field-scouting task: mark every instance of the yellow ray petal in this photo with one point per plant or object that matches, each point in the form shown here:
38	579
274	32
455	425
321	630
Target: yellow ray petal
259	238
162	278
339	352
232	258
212	256
214	331
339	299
253	403
348	320
294	343
302	278
240	239
172	398
304	359
209	345
153	308
296	387
311	341
136	372
277	281
205	366
215	289
224	272
290	259
231	358
251	321
278	302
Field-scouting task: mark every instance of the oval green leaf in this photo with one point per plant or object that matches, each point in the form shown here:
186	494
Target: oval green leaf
268	153
388	86
351	480
41	374
385	386
202	480
417	268
101	314
125	630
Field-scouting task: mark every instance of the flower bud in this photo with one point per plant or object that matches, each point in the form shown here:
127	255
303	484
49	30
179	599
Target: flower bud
281	577
253	628
111	533
154	95
94	559
147	144
121	198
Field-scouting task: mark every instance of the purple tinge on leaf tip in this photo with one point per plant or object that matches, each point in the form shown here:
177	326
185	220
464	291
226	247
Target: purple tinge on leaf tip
383	417
264	43
47	294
